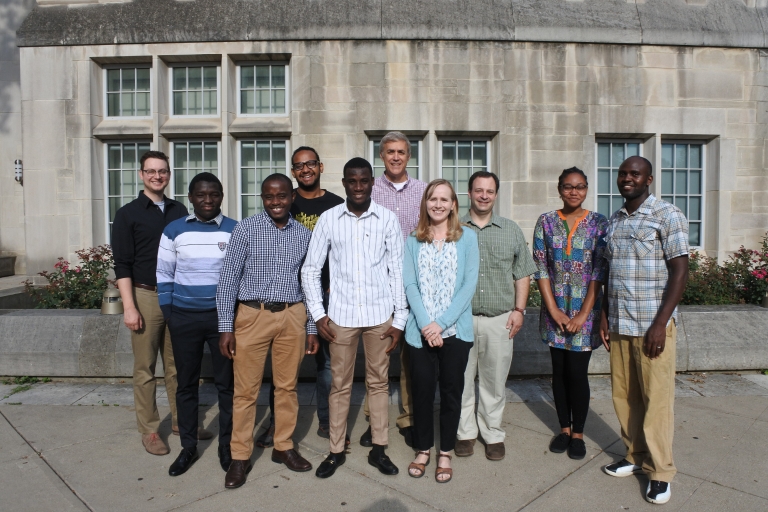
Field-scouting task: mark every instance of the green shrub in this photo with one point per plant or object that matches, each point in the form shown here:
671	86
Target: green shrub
749	268
78	287
534	296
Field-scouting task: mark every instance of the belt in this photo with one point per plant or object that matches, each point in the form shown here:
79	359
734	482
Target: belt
145	287
272	307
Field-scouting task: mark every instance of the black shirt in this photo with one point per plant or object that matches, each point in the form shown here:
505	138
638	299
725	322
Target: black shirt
307	211
136	234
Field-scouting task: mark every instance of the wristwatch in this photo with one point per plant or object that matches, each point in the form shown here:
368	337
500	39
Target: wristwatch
520	310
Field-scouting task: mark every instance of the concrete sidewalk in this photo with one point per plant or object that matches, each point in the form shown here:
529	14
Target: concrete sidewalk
74	446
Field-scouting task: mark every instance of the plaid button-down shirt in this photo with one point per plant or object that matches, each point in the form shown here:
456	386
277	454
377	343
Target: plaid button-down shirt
262	263
638	247
504	258
404	203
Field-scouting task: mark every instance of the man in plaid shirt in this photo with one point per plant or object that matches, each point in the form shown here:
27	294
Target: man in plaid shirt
647	250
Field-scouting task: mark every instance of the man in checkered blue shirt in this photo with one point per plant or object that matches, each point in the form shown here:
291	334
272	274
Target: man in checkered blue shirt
647	250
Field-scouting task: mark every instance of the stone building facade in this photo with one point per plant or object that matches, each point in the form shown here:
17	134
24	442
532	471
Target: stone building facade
521	88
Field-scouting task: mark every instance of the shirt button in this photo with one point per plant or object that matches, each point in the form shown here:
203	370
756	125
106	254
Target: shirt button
481	291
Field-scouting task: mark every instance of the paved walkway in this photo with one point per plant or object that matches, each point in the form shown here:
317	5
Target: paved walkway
74	446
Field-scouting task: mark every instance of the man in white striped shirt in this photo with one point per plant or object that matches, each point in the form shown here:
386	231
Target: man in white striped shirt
364	245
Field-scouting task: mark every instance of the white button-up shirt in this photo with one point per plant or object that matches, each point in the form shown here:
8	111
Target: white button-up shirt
366	268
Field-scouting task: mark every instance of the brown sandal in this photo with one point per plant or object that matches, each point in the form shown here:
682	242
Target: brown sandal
443	471
420	468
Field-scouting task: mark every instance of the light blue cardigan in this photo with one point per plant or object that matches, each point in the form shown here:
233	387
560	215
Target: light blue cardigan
460	310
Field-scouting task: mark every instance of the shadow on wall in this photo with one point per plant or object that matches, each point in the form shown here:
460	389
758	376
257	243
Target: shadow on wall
12	13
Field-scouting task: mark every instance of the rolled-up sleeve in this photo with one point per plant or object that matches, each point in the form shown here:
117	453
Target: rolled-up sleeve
123	246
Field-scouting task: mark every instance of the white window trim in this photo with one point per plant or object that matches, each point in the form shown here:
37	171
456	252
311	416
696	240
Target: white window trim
108	223
171	104
104	100
238	176
419	144
170	191
608	141
287	87
703	221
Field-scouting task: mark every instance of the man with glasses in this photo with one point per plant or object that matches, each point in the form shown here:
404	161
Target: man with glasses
309	202
136	233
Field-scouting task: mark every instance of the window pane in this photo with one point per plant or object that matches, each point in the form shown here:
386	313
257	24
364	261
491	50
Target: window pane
462	178
180	180
129	156
262	154
246	102
113	183
113	80
616	203
249	205
479	154
209	77
681	155
695	156
603	155
262	102
113	104
682	203
180	155
179	79
143	148
262	76
179	103
246	77
127	104
604	205
633	149
668	199
603	181
666	182
212	157
248	185
129	79
694	182
681	182
142	103
614	179
278	76
694	208
210	99
195	106
464	152
449	149
278	102
247	155
114	204
142	79
195	155
194	78
449	174
114	156
278	154
666	155
129	184
617	154
694	234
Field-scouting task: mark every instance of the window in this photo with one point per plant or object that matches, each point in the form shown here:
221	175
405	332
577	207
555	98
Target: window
195	90
262	89
414	164
610	155
123	183
189	159
258	159
460	160
127	92
682	183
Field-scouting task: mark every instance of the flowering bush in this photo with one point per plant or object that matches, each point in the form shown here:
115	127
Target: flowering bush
749	268
75	287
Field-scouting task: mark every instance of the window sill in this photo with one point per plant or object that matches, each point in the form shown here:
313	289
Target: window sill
125	128
191	127
277	126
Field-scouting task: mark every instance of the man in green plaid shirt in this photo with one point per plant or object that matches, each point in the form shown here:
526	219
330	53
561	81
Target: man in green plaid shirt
498	310
647	250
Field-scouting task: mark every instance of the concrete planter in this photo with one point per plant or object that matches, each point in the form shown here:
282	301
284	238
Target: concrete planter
85	343
7	266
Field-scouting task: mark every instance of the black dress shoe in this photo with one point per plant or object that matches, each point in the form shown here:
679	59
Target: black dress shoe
267	438
380	460
236	474
291	459
183	462
407	434
225	456
330	464
367	438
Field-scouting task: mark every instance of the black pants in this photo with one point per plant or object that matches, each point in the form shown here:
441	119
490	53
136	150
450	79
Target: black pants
190	331
431	366
570	386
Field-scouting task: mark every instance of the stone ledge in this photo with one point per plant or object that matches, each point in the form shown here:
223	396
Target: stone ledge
84	343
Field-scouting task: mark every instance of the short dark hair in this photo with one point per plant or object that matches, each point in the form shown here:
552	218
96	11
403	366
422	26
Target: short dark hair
205	177
154	154
568	171
277	177
483	174
644	160
305	148
358	163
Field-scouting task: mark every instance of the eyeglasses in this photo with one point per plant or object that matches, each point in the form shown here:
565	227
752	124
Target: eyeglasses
311	165
568	187
152	172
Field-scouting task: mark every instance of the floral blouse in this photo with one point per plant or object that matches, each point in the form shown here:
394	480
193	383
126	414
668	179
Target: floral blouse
570	260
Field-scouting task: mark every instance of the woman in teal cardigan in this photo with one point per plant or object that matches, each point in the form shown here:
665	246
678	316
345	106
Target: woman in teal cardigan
440	274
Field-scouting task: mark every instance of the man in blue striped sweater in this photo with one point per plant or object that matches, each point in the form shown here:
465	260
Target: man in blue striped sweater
191	254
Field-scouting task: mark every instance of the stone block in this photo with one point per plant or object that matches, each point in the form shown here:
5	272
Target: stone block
326	122
43	134
750	220
364	52
605	55
530	193
46	240
659	86
547	165
750	157
618	86
46	73
40	189
366	74
653	59
724	58
741	202
710	84
97	346
556	142
513	157
571	123
522	65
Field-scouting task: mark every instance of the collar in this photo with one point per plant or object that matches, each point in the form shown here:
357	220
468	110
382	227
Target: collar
645	209
391	185
218	219
495	220
373	209
148	202
267	218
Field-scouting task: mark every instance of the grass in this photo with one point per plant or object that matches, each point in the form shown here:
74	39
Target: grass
22	384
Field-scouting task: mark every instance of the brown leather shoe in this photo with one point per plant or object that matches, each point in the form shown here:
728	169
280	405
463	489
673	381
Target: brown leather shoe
202	434
464	447
291	459
236	474
154	445
494	451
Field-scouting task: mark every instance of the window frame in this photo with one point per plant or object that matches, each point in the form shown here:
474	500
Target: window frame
489	157
170	191
596	176
171	103
105	97
286	65
658	193
419	143
106	143
238	170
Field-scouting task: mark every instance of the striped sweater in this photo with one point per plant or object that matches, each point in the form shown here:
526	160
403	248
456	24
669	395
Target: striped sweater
189	261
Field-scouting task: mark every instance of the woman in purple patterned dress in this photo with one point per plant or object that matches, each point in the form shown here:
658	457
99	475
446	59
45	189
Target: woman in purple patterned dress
567	249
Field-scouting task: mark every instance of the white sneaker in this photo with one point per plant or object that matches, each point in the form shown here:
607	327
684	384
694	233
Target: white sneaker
658	492
622	468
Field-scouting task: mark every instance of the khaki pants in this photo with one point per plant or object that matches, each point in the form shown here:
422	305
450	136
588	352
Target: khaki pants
489	360
343	354
146	343
405	419
644	399
256	330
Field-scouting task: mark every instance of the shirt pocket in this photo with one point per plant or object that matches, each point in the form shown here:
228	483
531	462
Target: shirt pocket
643	241
374	249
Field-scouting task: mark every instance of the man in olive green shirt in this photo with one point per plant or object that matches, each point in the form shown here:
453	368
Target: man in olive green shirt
498	310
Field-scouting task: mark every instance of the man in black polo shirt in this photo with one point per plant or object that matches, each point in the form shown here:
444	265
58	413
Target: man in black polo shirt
136	235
